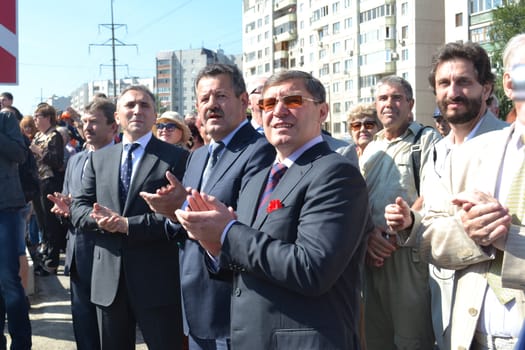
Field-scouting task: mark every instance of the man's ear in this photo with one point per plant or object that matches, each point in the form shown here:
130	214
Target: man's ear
507	85
324	110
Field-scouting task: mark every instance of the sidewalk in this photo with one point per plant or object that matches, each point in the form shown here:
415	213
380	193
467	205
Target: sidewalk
50	314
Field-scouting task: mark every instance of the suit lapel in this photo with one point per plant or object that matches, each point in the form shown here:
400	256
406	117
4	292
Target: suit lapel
293	176
143	169
490	170
231	153
196	165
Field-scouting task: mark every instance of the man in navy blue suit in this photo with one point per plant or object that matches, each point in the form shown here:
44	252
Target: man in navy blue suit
221	103
295	252
99	126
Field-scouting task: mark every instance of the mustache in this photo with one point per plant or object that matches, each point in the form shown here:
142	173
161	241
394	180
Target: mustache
456	100
216	111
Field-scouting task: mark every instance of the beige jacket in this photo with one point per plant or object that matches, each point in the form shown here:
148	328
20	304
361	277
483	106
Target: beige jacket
443	241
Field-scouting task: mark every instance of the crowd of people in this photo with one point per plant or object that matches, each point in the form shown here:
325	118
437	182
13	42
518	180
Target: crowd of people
222	231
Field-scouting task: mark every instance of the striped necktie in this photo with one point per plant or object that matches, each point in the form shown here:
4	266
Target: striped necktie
276	172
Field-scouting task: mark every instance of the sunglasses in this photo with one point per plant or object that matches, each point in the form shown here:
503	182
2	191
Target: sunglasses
290	102
167	126
369	125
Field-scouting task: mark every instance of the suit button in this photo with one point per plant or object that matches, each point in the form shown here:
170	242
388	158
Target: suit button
237	292
472	312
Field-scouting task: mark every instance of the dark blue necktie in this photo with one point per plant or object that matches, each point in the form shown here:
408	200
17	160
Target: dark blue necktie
216	149
277	171
126	170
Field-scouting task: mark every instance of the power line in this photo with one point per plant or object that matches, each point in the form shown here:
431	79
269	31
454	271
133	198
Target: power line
113	42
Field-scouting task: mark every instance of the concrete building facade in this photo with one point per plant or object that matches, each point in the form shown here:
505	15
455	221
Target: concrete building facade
348	44
175	76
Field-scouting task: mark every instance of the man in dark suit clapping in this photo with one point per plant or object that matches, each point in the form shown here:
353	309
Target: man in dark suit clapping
297	246
135	267
221	103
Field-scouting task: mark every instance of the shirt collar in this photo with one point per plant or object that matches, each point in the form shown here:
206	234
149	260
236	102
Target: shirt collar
226	140
142	141
290	160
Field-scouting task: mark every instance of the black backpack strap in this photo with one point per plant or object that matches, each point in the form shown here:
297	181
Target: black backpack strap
416	155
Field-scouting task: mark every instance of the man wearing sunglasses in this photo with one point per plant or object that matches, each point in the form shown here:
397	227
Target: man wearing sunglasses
221	103
295	244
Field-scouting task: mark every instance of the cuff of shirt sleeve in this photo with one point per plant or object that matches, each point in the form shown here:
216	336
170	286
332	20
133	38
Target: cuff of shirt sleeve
226	229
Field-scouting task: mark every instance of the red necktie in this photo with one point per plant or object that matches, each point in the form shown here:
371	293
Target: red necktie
276	173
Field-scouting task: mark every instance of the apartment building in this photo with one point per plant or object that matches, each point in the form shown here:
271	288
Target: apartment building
84	94
176	72
348	44
470	21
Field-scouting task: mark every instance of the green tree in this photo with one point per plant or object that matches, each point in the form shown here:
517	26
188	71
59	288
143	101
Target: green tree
507	22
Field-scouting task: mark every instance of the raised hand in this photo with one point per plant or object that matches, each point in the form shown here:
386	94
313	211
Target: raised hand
61	203
109	220
166	199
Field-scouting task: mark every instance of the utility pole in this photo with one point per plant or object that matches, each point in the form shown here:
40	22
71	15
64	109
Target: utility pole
113	42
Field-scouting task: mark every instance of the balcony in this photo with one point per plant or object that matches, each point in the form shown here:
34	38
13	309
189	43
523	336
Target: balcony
287	36
282	4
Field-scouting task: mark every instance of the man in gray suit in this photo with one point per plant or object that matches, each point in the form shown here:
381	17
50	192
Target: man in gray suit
135	267
221	103
296	251
99	128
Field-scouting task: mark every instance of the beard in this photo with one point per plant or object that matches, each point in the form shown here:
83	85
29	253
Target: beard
472	106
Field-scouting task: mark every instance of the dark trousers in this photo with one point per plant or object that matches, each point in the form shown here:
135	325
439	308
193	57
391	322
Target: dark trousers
54	233
83	311
160	326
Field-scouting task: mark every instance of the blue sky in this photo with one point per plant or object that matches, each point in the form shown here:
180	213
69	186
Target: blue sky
55	36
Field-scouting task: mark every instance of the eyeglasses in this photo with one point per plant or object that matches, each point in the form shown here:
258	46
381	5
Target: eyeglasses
167	126
257	90
369	125
290	102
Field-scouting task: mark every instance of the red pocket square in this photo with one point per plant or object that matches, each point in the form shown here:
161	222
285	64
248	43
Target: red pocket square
274	205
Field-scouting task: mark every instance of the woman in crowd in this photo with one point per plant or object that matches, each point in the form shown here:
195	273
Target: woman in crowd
171	128
364	124
48	148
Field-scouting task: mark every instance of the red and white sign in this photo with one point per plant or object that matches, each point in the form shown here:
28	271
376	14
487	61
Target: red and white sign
8	43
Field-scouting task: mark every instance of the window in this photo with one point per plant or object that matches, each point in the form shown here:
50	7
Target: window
404	55
349	85
335	7
325	70
459	19
336	107
404	9
404	32
322	53
336	27
336	67
336	47
348	65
